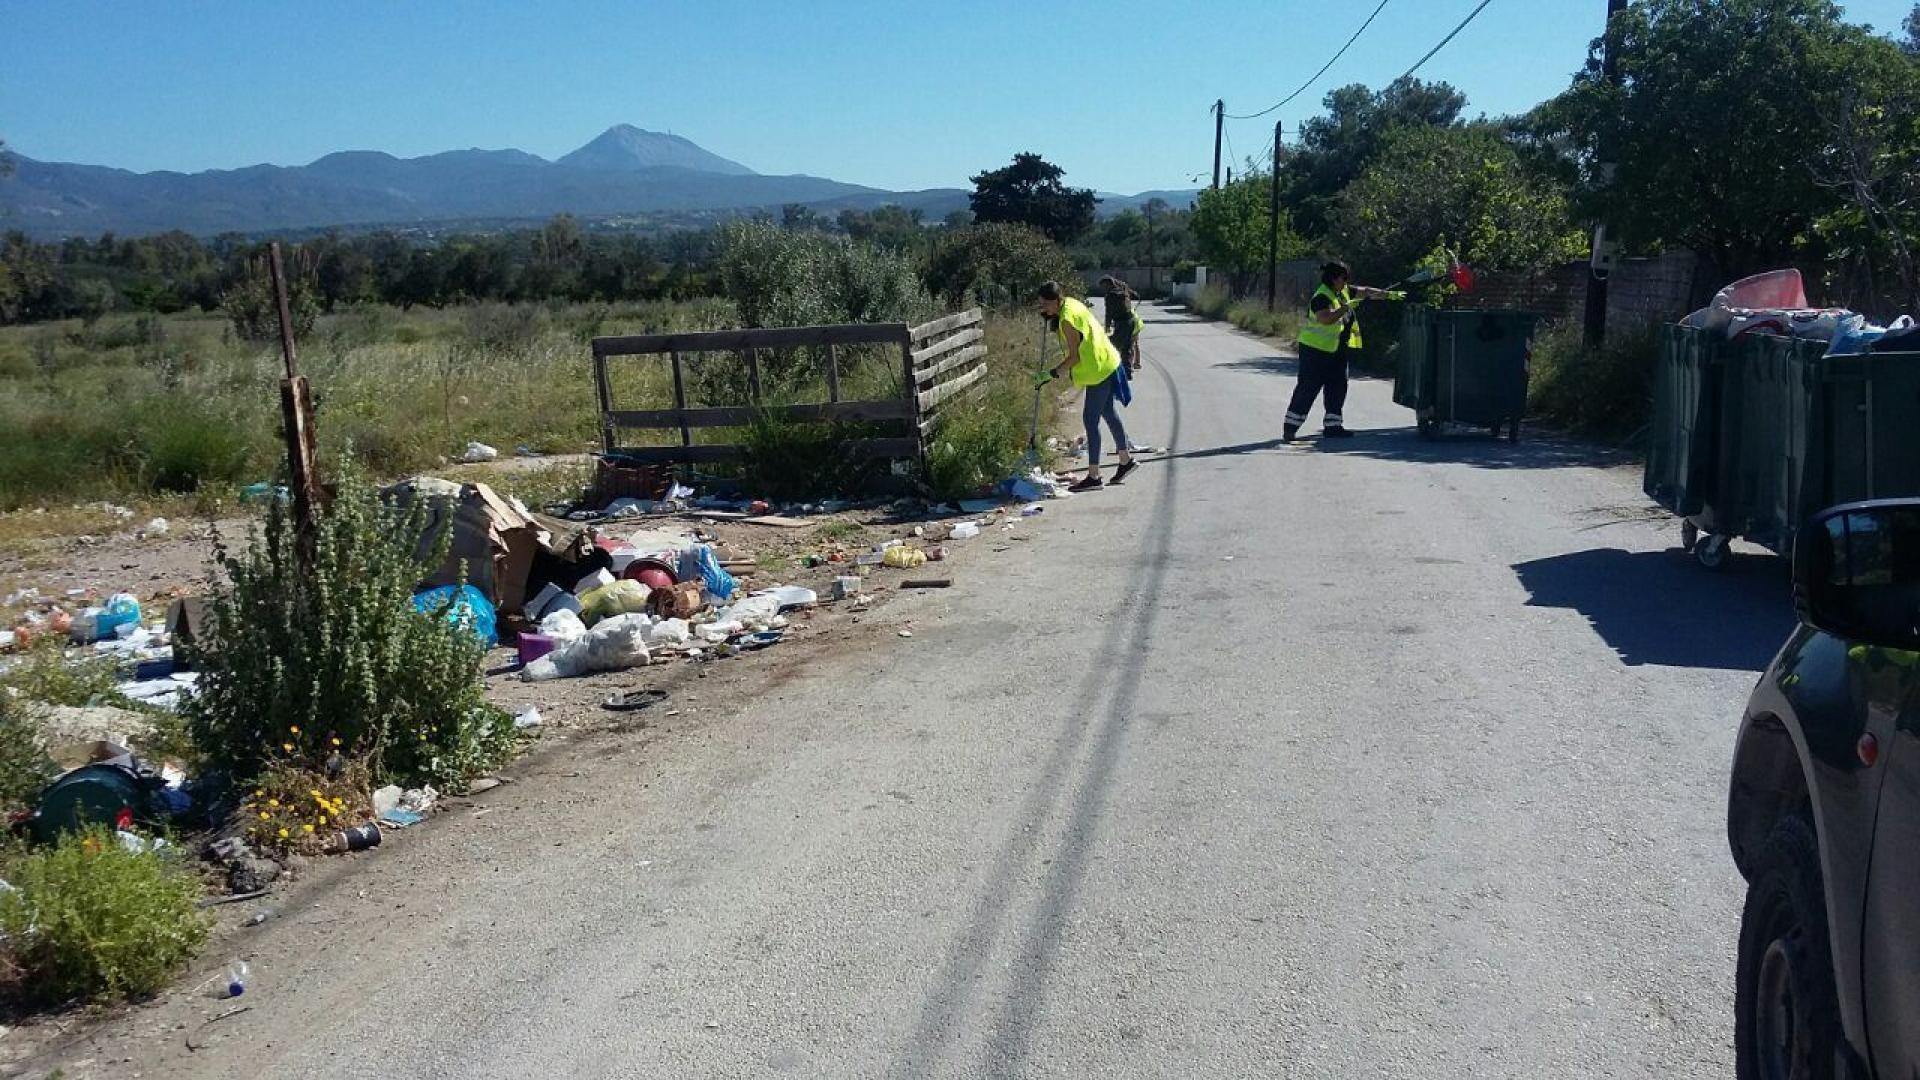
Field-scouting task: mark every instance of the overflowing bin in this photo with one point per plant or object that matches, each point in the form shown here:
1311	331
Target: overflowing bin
1752	436
1465	367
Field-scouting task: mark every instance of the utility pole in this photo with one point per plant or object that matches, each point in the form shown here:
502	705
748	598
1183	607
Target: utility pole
1273	223
1219	125
1600	262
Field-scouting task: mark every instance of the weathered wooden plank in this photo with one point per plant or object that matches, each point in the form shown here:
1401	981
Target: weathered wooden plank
972	355
933	419
679	400
833	373
945	323
675	455
928	399
780	337
606	399
923	357
742	415
753	375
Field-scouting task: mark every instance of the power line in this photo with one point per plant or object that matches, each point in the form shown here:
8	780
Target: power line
1322	71
1449	37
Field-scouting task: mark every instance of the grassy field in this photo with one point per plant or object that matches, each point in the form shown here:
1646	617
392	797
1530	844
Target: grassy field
151	410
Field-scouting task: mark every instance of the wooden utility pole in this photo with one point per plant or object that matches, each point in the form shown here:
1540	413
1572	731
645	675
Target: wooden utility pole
296	413
1219	125
1273	223
1597	274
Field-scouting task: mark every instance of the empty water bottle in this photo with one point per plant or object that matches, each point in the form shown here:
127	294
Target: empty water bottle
236	978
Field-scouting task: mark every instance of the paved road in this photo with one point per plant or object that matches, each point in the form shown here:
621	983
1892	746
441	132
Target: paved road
1386	759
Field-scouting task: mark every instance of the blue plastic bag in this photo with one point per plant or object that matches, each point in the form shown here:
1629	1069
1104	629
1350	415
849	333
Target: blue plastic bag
470	610
713	577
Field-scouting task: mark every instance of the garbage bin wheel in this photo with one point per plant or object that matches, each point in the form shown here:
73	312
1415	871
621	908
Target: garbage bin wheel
1426	425
1689	535
1711	552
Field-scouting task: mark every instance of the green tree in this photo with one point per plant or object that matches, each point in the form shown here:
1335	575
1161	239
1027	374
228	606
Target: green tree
1713	137
1870	164
1231	224
1464	188
996	264
1030	192
1911	27
1334	149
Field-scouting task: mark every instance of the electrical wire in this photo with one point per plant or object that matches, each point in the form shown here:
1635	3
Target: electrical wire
1443	41
1316	75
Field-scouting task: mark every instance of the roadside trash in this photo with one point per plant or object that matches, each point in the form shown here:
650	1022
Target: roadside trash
978	506
237	973
258	917
904	558
906	633
532	646
465	607
846	587
927	583
157	527
624	508
652	573
869	558
551	600
760	639
386	799
420	799
966	530
477	452
596	580
563	625
758	506
358	838
683	601
669	632
529	718
400	817
791	596
122	609
622	597
633	700
936	553
698	562
261	492
117	789
137	844
1035	510
613	644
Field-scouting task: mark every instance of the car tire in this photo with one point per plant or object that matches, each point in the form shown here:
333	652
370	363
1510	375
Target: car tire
1786	1013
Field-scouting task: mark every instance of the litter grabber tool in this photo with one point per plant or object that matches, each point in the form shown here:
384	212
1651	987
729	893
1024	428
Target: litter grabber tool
1041	378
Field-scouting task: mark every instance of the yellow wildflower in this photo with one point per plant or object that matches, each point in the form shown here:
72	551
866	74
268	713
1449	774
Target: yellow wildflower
309	828
283	834
287	746
264	815
273	802
295	728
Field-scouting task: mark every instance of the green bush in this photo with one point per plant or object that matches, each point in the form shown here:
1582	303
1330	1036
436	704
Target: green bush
299	666
1215	302
794	460
45	674
996	265
24	768
780	277
1601	393
88	918
188	447
977	448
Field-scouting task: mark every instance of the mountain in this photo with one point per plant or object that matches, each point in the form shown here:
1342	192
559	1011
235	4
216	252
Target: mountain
625	148
1111	204
623	171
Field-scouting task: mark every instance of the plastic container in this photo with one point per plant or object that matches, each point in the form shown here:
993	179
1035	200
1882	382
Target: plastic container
1465	367
237	975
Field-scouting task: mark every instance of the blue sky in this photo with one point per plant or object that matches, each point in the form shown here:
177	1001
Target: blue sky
895	95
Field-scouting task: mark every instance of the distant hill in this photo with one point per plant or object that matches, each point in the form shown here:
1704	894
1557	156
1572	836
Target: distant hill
1111	204
624	170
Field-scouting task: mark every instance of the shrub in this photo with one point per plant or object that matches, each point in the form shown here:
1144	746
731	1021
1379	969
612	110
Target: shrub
304	667
253	311
1215	302
795	460
298	809
88	918
997	265
24	768
976	448
1601	393
45	674
778	277
188	446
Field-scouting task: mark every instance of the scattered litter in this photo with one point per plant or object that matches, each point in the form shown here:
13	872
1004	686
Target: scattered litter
791	596
613	644
258	917
625	508
386	799
529	718
358	838
906	633
928	583
483	784
477	452
421	799
400	818
237	973
157	527
633	700
464	606
906	558
966	530
777	521
846	587
597	580
978	506
1032	510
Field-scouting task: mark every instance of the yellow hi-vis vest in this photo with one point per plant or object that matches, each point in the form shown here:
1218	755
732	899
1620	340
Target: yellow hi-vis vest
1098	358
1326	336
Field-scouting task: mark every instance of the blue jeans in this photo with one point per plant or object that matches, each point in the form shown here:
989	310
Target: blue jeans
1099	405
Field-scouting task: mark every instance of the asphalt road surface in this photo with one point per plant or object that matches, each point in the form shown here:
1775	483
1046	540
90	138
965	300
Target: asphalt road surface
1391	758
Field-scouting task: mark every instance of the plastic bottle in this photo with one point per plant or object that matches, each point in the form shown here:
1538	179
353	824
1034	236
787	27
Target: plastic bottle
237	973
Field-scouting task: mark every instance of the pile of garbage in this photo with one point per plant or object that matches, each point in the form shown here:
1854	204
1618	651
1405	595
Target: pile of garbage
1776	303
115	628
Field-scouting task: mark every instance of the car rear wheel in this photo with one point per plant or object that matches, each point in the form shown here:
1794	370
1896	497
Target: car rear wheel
1786	1014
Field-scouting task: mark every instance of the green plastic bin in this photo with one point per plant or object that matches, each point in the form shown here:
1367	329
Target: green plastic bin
1465	367
1683	432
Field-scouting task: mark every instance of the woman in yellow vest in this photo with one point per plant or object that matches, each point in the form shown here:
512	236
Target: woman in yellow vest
1330	334
1093	363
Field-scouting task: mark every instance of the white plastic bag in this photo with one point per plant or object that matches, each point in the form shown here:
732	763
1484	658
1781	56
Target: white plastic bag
669	632
563	625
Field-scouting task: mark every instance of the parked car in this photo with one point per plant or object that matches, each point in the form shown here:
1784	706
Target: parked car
1824	812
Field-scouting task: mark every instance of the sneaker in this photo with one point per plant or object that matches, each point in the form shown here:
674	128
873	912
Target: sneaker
1091	483
1288	434
1336	433
1126	467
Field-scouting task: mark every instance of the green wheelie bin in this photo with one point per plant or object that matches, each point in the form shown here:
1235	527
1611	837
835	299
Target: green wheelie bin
1465	367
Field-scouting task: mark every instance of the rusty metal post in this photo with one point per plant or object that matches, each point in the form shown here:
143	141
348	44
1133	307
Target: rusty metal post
296	412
